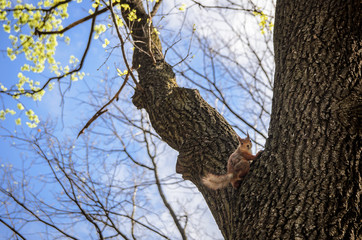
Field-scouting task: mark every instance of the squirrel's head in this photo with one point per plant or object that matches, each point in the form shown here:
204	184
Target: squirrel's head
245	142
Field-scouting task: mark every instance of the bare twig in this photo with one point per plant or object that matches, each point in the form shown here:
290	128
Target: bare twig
37	9
12	229
70	26
129	69
160	191
103	110
155	8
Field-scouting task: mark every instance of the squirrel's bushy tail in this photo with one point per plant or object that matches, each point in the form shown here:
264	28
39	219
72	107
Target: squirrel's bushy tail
217	181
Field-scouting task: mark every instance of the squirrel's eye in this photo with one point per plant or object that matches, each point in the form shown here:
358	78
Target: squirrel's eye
241	143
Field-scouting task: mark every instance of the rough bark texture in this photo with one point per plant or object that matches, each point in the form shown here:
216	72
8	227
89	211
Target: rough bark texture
314	140
307	183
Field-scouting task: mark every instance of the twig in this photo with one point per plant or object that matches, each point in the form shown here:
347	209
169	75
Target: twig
103	110
122	46
155	8
37	32
12	229
65	74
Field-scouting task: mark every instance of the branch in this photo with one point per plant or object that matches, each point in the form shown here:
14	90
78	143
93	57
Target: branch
101	111
140	223
96	13
160	191
155	8
65	74
12	229
129	69
237	8
37	9
35	215
221	99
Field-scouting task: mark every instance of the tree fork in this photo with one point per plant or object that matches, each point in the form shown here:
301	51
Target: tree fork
182	118
179	115
307	184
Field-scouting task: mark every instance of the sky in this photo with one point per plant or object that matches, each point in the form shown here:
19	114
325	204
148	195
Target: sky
72	115
50	106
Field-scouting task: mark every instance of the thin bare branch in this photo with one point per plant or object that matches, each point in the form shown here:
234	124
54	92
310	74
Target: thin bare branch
103	110
75	23
12	229
155	8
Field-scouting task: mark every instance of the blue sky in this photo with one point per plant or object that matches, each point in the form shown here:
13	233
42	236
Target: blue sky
74	115
50	104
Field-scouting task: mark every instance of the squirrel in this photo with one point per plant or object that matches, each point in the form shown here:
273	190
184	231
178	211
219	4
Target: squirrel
238	166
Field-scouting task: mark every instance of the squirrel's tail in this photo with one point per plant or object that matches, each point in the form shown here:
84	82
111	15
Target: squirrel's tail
217	181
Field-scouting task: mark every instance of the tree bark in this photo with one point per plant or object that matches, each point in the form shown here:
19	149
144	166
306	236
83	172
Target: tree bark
307	183
311	179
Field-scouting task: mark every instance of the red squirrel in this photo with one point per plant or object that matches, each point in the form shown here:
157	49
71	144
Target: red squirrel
238	166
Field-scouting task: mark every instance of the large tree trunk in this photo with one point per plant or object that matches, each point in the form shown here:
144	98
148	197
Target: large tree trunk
307	183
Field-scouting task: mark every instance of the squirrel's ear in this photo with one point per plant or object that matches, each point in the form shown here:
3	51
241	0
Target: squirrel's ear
247	136
240	140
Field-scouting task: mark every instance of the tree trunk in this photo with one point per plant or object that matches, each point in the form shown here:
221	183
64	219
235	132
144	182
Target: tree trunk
307	183
314	145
